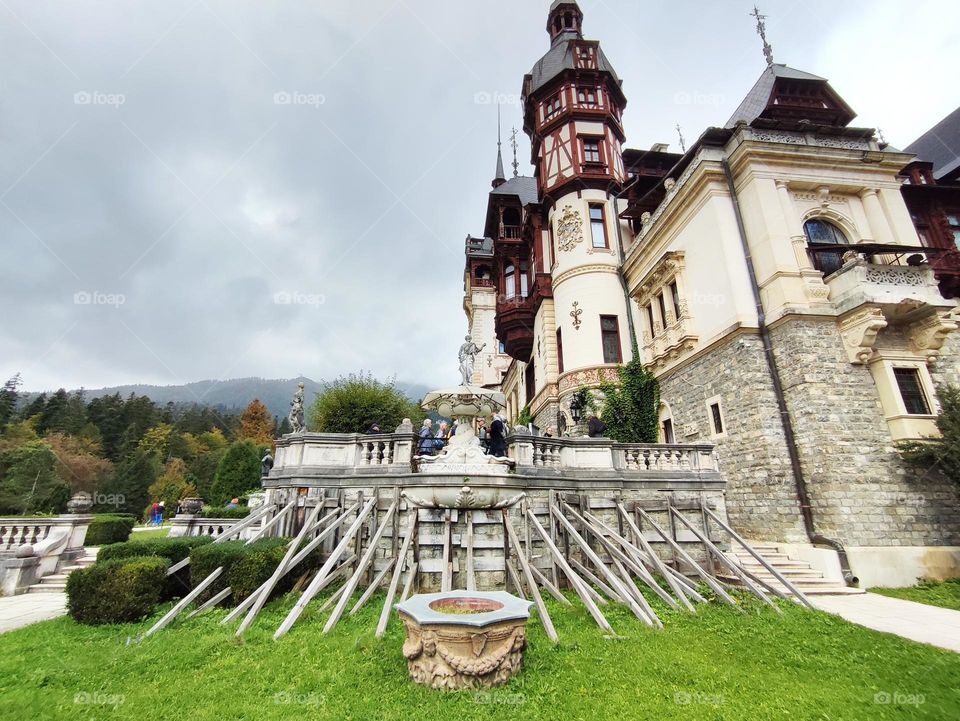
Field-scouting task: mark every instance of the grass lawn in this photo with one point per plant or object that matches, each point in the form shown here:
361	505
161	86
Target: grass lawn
153	533
945	594
718	664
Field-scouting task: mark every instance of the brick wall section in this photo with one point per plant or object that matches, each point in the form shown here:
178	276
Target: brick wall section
761	495
861	491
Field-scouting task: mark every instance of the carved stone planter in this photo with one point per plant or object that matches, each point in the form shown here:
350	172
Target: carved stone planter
464	639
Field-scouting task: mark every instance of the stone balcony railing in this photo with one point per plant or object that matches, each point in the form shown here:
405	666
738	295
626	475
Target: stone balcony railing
31	548
859	282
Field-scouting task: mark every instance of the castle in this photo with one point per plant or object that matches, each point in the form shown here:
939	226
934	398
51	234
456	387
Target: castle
789	279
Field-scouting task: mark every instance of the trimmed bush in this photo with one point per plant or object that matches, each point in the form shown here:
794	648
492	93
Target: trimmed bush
246	567
172	549
119	591
212	512
109	528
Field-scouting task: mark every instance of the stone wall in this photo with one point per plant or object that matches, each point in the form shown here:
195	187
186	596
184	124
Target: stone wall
861	491
761	495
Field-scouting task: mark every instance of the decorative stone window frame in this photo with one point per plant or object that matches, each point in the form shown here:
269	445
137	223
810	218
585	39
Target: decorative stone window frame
904	425
665	413
709	403
673	336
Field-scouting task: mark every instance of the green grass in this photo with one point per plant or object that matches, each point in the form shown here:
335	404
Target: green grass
945	594
155	533
719	664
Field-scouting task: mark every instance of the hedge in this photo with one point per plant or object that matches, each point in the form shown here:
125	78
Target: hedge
109	528
245	568
213	512
172	549
119	591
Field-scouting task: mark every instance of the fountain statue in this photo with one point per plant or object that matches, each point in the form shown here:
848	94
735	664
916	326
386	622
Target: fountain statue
296	411
468	358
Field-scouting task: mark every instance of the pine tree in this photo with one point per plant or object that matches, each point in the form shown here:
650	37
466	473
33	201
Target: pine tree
238	472
8	400
256	424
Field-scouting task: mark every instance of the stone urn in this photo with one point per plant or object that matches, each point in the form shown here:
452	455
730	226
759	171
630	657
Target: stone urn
81	502
464	639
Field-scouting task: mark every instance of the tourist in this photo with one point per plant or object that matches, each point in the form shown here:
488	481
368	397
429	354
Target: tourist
482	435
426	438
443	435
155	513
234	503
374	429
595	427
498	436
551	432
163	508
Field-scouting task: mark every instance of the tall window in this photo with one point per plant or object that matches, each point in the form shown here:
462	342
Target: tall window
598	228
667	427
716	418
524	279
530	382
552	107
911	390
559	351
587	97
591	151
610	337
675	297
650	320
509	282
820	231
663	309
953	220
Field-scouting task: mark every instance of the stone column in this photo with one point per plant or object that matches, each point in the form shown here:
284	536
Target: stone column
795	229
879	228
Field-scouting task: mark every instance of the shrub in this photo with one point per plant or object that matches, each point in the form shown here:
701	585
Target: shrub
238	470
351	404
214	512
109	528
172	549
942	453
245	567
119	591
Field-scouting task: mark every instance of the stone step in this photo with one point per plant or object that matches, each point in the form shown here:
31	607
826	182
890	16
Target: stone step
55	578
752	563
48	587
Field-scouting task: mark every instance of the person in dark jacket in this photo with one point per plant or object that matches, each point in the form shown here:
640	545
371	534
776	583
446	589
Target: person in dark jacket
374	429
595	427
498	437
426	438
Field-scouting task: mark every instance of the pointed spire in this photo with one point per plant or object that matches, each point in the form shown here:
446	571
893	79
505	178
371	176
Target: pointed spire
762	32
499	179
513	144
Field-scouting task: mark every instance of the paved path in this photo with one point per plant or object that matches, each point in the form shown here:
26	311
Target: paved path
27	608
916	621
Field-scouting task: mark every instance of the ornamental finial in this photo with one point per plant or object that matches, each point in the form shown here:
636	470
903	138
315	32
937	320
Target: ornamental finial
762	32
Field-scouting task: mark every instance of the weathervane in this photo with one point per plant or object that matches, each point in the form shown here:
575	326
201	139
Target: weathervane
762	32
683	143
513	144
880	137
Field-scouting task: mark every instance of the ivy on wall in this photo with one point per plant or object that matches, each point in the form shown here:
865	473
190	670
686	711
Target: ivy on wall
631	407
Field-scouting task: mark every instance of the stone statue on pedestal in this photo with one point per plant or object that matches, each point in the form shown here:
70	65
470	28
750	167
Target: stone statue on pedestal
468	358
266	464
296	412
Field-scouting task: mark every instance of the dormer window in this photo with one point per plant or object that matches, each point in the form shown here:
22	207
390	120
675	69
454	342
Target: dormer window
552	107
587	97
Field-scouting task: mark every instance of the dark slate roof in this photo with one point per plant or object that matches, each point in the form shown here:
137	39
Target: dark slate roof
521	186
758	97
559	58
940	145
499	175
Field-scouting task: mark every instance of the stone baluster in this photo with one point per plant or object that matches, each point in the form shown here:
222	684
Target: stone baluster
537	454
389	458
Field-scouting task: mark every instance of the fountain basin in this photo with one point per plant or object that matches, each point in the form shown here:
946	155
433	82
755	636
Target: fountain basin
465	496
464	639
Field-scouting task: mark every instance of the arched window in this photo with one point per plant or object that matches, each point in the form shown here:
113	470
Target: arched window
820	231
509	285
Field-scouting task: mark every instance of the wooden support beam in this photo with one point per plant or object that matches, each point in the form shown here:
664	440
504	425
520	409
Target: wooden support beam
273	522
361	567
531	584
228	533
373	586
397	572
411	580
592	578
311	590
184	602
446	576
471	576
209	603
515	579
553	590
680	553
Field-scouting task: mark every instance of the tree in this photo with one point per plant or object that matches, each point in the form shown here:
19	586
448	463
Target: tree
53	415
352	403
941	453
172	485
29	481
256	424
9	396
33	408
78	462
631	408
128	491
237	472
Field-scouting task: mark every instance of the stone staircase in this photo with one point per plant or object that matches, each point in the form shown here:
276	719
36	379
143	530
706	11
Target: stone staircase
57	582
800	573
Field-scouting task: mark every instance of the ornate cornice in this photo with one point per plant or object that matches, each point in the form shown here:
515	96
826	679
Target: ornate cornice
859	333
581	269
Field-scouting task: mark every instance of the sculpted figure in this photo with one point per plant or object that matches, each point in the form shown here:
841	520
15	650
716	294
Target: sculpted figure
296	411
468	358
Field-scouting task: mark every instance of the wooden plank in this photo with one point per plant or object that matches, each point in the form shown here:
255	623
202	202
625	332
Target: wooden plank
209	603
397	572
311	590
273	522
361	567
515	579
471	575
372	587
545	582
446	578
531	583
411	578
592	577
184	602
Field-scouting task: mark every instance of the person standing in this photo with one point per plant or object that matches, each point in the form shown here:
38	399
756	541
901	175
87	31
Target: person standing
498	437
443	436
426	438
163	508
155	513
482	435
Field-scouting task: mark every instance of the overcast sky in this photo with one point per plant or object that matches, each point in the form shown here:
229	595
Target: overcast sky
215	188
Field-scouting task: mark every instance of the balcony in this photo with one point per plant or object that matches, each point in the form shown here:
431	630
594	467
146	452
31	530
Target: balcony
514	325
670	342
